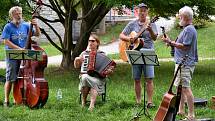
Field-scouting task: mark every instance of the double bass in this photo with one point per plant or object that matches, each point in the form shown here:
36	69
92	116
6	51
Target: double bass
31	88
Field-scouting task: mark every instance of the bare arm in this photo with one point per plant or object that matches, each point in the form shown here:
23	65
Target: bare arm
123	37
11	45
77	62
153	35
174	44
179	45
37	28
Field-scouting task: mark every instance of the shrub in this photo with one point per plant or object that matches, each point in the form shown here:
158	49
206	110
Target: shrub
197	22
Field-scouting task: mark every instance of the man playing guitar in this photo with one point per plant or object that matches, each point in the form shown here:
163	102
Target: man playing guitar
186	44
147	36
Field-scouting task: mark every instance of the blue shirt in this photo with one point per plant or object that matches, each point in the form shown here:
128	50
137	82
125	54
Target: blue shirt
17	35
135	26
187	37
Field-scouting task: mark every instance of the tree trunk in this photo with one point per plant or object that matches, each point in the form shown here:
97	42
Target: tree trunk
66	62
102	28
82	42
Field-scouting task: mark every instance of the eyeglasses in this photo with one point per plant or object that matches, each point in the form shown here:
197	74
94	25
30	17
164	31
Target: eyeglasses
91	40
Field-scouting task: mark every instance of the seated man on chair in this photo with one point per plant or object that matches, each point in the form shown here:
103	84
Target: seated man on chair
93	84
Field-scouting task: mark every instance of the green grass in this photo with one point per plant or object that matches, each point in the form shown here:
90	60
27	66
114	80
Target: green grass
120	95
49	49
112	33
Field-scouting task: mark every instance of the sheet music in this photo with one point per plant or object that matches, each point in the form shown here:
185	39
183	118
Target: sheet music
144	57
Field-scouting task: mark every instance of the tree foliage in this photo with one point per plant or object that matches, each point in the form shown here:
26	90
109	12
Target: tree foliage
168	8
6	5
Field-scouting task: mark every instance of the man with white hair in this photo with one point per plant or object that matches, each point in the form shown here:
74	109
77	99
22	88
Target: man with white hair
185	45
15	35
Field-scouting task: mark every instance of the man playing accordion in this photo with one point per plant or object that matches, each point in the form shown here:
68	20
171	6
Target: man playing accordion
94	84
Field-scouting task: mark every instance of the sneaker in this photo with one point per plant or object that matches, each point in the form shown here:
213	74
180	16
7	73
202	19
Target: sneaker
6	104
150	105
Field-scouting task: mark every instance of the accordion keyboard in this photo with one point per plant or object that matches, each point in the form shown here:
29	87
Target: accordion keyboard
85	64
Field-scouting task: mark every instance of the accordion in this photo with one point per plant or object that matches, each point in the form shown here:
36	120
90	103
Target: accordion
97	64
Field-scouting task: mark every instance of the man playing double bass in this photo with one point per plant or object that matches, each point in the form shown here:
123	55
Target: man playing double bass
15	35
185	45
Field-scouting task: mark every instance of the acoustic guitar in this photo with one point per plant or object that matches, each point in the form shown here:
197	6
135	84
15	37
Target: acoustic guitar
169	106
138	43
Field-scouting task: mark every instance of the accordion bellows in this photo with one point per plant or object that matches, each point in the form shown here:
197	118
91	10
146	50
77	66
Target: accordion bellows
97	64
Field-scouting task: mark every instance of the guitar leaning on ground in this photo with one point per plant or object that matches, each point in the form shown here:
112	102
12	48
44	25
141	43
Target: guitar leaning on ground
169	106
138	43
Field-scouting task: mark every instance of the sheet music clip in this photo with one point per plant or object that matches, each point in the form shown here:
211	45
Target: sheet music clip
142	57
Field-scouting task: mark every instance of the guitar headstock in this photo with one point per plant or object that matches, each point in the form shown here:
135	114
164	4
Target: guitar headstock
163	31
154	19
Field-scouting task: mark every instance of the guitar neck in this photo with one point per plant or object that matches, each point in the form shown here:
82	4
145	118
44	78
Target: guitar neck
141	32
29	41
173	80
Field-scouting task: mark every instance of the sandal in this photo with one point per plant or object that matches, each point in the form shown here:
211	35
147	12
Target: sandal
150	105
190	118
181	113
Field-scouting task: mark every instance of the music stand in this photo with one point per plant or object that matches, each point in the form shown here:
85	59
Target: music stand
25	54
142	57
17	54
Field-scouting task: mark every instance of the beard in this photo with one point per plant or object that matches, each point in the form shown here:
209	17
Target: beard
17	21
182	23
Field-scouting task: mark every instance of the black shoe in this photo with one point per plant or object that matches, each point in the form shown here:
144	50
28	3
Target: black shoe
150	105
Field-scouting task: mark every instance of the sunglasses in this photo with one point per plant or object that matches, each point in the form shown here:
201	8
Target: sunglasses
91	40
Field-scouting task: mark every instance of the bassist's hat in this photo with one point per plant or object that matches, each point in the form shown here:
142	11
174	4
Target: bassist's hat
142	5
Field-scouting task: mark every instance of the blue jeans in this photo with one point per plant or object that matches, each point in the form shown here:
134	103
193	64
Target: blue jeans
138	69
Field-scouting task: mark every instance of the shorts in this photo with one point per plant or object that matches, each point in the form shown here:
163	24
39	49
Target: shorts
12	68
92	82
146	69
185	76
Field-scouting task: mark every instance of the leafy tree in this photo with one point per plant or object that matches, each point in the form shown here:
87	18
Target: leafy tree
168	8
93	11
7	4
